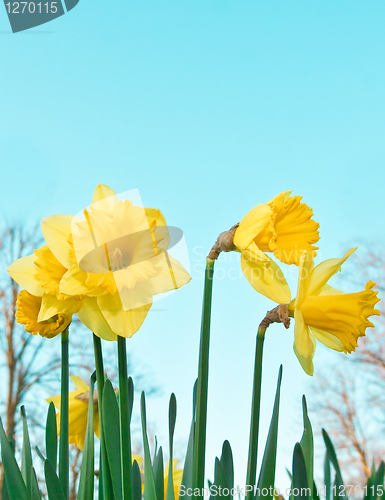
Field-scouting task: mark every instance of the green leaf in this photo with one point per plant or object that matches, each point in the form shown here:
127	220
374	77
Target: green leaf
35	493
267	474
16	487
187	478
26	455
300	480
307	444
86	482
112	437
125	409
137	481
227	464
171	428
220	484
159	474
340	490
54	487
149	482
51	436
327	477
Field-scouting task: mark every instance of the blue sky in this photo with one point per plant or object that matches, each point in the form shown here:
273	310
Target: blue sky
208	108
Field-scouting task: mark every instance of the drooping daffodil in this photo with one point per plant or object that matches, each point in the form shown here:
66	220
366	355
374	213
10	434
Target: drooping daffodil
282	226
78	412
321	312
106	266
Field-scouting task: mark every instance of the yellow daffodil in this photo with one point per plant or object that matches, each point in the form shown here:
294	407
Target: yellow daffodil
78	412
283	226
335	318
117	259
27	314
106	266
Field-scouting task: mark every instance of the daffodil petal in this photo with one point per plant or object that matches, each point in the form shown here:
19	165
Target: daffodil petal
305	268
304	343
170	275
264	275
23	271
329	290
50	306
251	225
74	283
56	400
102	192
57	233
79	383
124	322
324	271
327	339
91	316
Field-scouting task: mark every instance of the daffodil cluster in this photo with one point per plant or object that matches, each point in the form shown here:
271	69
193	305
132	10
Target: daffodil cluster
106	266
284	227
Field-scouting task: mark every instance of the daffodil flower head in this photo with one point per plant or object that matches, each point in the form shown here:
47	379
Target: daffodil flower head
78	402
27	314
106	264
282	226
321	312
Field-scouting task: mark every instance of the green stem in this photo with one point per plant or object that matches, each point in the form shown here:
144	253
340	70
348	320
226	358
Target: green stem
125	417
255	412
105	478
203	376
64	427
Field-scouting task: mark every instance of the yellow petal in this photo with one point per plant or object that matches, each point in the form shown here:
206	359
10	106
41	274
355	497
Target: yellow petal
50	270
57	232
50	306
171	275
74	282
91	316
79	383
306	266
251	225
56	400
304	343
264	275
23	271
324	271
329	290
102	192
122	322
327	339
